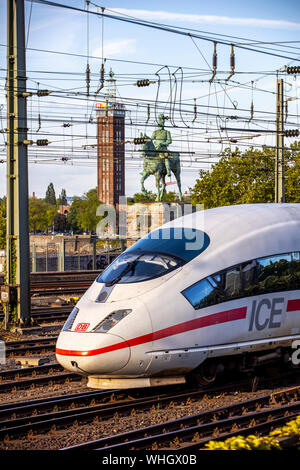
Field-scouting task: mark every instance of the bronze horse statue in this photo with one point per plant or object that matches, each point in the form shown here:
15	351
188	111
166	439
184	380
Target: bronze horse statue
154	164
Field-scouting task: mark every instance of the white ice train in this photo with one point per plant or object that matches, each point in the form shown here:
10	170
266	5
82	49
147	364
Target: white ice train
217	289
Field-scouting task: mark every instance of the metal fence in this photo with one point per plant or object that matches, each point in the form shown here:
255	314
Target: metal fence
72	254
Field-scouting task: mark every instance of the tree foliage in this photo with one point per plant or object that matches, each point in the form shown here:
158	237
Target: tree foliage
246	177
62	198
50	195
41	214
168	196
59	222
82	215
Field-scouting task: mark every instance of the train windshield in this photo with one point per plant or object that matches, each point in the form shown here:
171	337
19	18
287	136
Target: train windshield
156	254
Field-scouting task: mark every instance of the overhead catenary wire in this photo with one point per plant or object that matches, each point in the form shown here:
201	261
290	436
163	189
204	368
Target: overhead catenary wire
183	108
161	27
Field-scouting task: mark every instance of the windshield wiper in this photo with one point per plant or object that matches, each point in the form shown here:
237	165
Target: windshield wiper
130	266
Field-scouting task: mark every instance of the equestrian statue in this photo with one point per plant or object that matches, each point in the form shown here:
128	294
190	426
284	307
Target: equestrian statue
158	161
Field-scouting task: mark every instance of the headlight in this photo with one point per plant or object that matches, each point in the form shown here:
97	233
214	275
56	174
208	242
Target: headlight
111	320
71	318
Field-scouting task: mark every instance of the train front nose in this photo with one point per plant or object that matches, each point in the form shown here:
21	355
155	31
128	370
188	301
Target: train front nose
103	353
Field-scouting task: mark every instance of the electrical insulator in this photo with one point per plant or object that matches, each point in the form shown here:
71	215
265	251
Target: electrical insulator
251	111
101	77
195	110
232	63
139	140
43	92
292	133
40	123
148	112
293	70
42	142
145	82
102	73
214	63
232	58
88	80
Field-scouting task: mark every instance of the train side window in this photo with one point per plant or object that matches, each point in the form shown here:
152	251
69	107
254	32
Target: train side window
232	282
248	278
261	276
203	293
296	269
274	273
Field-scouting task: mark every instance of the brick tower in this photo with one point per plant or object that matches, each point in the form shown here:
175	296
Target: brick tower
111	148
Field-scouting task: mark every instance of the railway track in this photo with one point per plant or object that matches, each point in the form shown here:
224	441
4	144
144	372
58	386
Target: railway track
38	376
26	347
17	374
59	378
54	276
57	283
41	315
90	412
101	405
258	415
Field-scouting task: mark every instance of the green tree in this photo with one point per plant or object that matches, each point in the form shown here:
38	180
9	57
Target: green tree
82	214
41	214
59	222
72	216
140	197
62	198
50	194
170	196
244	178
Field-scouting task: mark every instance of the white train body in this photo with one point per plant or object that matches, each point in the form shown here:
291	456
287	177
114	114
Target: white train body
239	295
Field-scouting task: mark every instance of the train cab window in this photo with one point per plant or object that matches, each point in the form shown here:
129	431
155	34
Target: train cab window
156	254
137	266
187	243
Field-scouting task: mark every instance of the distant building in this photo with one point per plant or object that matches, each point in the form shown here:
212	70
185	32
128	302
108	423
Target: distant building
63	209
111	146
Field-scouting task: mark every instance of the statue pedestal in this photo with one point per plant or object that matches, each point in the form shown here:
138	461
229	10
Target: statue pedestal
143	217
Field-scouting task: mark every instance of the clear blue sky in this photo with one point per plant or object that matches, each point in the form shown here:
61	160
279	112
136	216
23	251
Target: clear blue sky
60	30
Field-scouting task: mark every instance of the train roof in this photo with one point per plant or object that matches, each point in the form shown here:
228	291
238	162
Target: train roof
251	230
260	215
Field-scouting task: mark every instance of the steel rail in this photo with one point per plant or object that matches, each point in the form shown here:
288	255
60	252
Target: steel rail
19	405
173	433
27	346
30	349
61	377
85	415
62	419
15	374
17	410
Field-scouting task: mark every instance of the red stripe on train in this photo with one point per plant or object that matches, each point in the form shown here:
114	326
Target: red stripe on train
293	305
214	319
